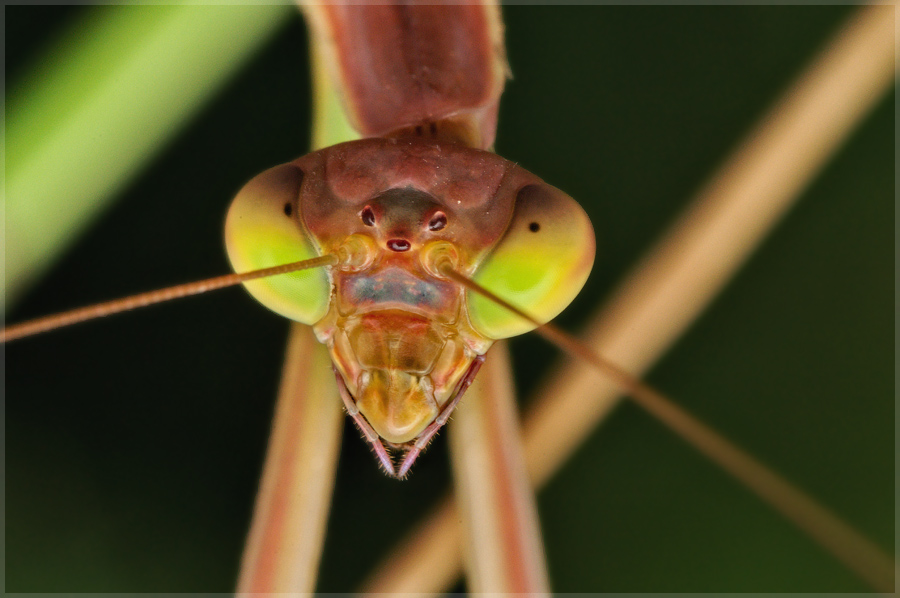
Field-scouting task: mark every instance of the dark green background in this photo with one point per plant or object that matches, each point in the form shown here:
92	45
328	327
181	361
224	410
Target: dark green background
133	445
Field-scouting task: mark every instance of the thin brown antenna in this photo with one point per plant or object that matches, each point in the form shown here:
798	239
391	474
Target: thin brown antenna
843	542
107	308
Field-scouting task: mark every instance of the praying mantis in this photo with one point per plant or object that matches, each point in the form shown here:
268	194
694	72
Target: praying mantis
187	430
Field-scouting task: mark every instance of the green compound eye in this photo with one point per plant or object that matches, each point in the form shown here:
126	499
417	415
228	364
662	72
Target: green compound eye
264	229
539	265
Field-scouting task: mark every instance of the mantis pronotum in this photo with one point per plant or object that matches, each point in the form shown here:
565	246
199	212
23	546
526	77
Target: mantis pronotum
199	445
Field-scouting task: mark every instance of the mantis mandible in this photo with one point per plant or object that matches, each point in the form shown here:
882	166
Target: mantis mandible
528	131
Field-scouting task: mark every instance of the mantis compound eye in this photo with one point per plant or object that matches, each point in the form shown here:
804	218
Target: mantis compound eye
264	228
539	265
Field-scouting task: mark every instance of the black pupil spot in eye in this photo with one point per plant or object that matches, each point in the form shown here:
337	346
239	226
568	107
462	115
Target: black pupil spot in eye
288	210
437	222
534	227
368	216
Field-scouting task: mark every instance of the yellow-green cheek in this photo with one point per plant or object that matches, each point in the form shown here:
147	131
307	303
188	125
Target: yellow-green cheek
539	266
260	241
522	280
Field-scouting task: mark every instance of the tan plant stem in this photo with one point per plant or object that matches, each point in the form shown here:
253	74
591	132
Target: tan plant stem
731	215
842	541
428	560
682	274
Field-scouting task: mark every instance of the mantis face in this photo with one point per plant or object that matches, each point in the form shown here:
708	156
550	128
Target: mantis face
406	341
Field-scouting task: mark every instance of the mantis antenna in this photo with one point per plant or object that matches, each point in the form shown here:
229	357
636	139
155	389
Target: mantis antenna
835	536
839	539
90	312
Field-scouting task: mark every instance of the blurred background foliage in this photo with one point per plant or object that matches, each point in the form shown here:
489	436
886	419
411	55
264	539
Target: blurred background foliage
133	446
103	99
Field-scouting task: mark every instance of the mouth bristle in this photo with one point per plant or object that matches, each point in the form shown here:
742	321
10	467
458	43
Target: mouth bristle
402	457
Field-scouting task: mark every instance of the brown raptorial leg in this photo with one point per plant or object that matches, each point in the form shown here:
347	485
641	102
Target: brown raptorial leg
285	540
